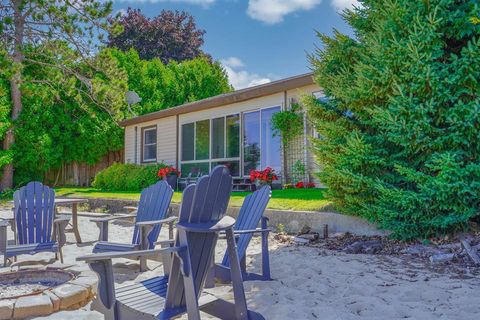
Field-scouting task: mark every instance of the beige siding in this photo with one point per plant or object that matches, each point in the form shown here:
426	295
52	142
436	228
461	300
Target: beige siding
130	144
166	140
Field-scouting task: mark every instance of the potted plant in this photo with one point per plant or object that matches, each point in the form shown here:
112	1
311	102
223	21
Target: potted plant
170	174
262	177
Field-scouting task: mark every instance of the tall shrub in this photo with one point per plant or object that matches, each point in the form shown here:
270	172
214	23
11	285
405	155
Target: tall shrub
400	130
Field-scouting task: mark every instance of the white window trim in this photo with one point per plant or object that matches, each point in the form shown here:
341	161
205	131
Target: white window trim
144	131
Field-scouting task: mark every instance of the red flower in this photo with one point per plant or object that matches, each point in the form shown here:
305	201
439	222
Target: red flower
300	185
267	175
310	185
163	172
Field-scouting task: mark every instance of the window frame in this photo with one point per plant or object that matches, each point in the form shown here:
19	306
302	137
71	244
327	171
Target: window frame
143	145
242	137
210	160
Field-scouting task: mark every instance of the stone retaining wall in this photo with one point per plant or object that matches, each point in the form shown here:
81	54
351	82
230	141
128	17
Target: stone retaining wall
292	221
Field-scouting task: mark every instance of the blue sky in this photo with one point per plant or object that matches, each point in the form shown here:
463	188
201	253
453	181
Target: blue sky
256	40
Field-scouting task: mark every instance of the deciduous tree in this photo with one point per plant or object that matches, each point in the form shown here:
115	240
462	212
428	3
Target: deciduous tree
172	35
55	34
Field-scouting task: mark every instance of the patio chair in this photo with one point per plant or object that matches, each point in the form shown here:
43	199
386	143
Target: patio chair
191	178
202	218
149	217
37	229
250	215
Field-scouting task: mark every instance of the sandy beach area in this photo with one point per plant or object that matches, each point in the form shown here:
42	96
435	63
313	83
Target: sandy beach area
310	283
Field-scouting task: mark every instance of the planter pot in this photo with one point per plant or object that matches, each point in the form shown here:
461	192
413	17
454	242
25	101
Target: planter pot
172	181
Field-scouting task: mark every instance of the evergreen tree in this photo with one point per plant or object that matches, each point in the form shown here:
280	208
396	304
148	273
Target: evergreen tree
400	130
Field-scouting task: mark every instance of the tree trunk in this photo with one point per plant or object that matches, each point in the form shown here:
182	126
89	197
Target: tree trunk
16	95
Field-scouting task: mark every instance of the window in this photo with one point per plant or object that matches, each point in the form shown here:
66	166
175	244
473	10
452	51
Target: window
218	138
208	143
202	140
149	144
188	139
251	141
233	136
271	149
261	148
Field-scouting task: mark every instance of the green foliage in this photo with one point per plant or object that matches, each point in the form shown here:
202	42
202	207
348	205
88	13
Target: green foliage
164	86
60	123
127	177
401	127
288	123
298	171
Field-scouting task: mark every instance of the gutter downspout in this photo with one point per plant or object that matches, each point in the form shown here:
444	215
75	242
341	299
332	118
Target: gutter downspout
136	145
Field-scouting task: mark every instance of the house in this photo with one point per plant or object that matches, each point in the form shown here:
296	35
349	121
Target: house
232	129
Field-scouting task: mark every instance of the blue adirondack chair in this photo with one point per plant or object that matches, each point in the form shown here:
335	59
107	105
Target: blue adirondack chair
150	216
250	215
37	228
202	218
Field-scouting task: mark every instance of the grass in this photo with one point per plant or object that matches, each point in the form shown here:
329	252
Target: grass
289	199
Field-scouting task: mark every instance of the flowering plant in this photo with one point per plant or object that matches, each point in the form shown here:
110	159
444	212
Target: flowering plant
300	185
168	171
264	176
310	185
288	186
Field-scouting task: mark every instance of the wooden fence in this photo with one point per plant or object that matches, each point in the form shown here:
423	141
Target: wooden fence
82	174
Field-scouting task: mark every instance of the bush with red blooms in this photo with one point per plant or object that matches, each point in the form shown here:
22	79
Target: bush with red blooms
310	185
168	171
300	185
264	176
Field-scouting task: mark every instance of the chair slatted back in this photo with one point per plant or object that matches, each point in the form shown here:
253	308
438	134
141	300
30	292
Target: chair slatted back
249	217
204	202
34	213
153	205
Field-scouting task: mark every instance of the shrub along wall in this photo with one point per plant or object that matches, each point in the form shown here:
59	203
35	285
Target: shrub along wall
401	130
127	177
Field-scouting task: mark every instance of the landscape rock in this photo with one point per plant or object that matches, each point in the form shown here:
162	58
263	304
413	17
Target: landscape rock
55	300
70	295
30	306
369	247
6	308
442	257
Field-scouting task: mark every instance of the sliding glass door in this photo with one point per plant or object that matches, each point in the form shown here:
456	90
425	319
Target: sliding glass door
261	148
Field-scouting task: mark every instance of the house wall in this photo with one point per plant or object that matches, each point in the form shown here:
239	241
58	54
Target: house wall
168	131
166	141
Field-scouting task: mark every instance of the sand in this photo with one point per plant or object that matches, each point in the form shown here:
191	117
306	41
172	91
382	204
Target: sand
311	283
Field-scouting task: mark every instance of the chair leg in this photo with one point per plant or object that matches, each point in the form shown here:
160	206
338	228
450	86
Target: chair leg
265	257
241	311
60	253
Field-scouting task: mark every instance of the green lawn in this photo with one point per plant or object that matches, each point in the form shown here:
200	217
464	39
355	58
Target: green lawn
290	199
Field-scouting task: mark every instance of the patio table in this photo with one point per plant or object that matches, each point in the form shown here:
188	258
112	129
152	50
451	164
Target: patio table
61	202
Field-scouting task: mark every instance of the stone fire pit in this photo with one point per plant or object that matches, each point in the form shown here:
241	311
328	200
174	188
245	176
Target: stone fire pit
39	292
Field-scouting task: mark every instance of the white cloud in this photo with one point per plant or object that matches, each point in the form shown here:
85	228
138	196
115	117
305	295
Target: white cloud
340	5
233	62
240	79
273	11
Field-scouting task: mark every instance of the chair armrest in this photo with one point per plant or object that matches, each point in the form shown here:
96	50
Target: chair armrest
124	216
163	242
61	219
223	224
128	254
154	222
258	230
